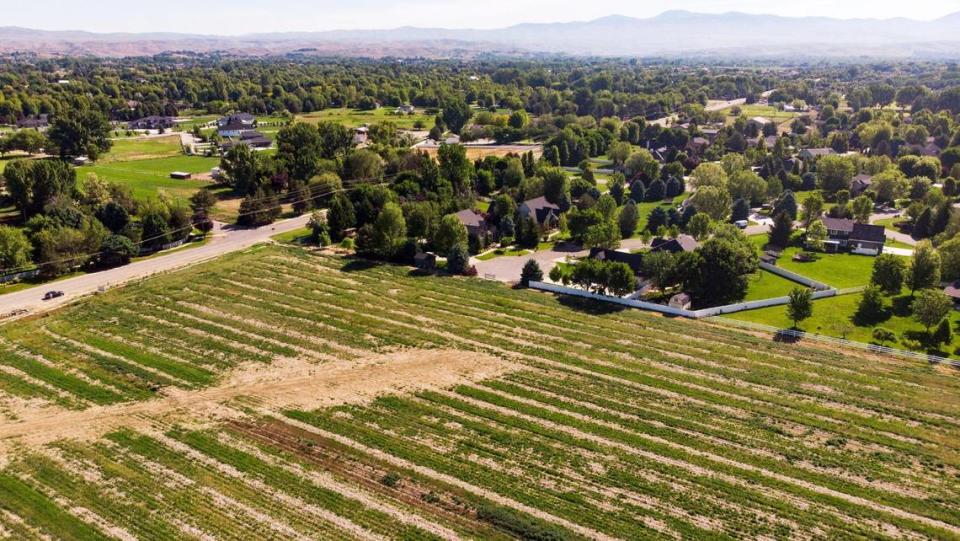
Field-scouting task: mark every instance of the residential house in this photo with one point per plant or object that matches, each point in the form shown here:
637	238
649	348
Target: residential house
39	122
545	213
634	261
252	139
234	125
697	145
759	121
769	141
475	222
860	184
151	123
845	234
710	134
953	291
811	154
683	243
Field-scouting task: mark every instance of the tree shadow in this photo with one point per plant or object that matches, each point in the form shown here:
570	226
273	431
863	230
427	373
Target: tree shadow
356	264
590	306
902	306
861	320
567	247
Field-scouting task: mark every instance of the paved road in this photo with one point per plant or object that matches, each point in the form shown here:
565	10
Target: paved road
717	106
225	240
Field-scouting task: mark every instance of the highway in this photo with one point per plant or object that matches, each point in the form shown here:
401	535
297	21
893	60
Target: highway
225	239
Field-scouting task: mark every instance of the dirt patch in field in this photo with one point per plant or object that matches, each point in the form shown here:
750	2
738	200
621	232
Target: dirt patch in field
286	383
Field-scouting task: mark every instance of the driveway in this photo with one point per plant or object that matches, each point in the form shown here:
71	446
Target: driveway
891	233
225	239
508	268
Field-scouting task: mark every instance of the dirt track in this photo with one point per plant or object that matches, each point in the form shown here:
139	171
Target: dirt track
285	383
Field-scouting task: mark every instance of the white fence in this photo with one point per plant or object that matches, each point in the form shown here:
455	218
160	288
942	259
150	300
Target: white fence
794	277
936	359
664	309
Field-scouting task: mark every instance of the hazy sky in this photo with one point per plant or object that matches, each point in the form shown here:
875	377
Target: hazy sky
245	16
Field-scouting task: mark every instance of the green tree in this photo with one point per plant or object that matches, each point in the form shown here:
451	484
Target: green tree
80	132
924	269
930	306
245	169
871	308
834	173
812	208
862	209
747	185
710	174
713	201
699	226
888	273
299	150
450	232
341	216
458	259
943	334
15	249
816	235
628	219
455	167
781	230
661	266
335	139
556	187
389	231
531	273
456	113
800	305
619	279
117	250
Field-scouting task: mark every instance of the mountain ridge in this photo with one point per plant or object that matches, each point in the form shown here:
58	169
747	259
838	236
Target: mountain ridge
674	32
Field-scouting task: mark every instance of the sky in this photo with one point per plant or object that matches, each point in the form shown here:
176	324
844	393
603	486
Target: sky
232	17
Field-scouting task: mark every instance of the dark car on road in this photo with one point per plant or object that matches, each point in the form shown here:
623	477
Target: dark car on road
52	295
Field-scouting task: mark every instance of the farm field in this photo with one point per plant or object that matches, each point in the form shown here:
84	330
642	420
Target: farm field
151	177
284	394
355	118
479	153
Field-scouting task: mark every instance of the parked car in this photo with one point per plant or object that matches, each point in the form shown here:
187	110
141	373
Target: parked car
742	224
52	295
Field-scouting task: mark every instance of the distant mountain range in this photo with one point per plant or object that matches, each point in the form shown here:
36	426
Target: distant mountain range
673	33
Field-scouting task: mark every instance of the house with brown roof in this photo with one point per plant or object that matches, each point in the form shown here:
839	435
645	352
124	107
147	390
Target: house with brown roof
810	154
475	222
683	243
545	213
846	234
860	184
634	261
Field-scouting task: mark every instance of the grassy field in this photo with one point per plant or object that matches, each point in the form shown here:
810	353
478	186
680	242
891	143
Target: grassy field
767	111
834	317
355	118
131	149
151	177
766	285
644	209
837	270
583	422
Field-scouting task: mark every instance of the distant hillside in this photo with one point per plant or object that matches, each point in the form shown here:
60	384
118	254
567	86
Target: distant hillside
670	33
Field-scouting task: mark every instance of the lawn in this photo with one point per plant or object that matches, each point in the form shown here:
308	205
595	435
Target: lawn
644	209
503	252
297	236
838	270
767	111
833	316
286	394
142	148
766	285
354	118
150	178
